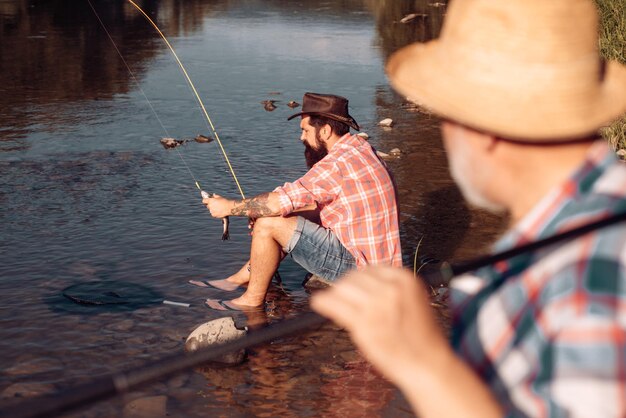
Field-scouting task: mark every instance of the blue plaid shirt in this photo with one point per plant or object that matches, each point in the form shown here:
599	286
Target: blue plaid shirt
547	330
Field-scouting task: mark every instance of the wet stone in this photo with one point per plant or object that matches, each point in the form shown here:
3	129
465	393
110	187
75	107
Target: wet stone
269	105
147	407
178	381
217	331
387	122
349	356
169	143
202	139
30	366
27	390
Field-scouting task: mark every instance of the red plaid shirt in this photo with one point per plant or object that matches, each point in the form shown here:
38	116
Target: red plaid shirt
357	201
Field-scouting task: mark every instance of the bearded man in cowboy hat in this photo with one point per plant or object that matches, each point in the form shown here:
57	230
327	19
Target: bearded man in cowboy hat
349	188
522	93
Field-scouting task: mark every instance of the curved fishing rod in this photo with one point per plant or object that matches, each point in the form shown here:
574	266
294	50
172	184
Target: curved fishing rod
123	381
193	88
225	222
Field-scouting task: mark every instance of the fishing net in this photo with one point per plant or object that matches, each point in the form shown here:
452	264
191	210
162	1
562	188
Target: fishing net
105	295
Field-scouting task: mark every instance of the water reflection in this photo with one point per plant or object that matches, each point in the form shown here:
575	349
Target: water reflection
90	194
55	53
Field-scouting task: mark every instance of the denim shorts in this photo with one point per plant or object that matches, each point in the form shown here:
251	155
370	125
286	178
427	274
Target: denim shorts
319	251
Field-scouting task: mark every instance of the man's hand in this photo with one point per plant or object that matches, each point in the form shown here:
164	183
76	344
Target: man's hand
219	206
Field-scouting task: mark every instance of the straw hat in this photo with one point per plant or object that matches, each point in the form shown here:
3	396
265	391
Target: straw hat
521	69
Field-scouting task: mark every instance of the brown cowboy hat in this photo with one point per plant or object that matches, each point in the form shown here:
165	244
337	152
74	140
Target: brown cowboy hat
522	69
328	105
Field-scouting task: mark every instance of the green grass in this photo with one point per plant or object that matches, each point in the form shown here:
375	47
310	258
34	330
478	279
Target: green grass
613	46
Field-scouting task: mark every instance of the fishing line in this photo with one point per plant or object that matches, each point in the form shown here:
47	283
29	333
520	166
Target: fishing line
188	79
206	114
132	74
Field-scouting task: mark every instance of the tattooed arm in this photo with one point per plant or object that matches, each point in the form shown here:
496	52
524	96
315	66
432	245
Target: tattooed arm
265	204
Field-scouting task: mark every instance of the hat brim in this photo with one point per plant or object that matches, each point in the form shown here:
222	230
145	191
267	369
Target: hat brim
514	108
348	121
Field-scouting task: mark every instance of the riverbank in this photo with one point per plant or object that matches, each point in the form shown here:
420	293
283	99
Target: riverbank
613	46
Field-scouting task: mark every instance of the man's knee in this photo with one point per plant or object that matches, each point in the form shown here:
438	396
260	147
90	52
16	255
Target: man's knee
277	227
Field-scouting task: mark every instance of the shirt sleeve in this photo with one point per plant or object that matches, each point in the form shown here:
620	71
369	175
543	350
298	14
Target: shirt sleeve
320	185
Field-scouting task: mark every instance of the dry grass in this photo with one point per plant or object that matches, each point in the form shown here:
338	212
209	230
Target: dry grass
613	46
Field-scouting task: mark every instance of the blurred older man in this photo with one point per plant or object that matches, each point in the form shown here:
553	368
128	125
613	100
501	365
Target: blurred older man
522	92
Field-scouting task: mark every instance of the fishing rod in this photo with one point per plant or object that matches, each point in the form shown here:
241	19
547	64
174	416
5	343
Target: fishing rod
205	195
123	381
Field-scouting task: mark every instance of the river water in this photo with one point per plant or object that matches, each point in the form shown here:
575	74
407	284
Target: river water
88	193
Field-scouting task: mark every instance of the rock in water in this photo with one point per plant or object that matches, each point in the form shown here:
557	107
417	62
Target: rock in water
363	135
203	139
147	407
314	282
171	142
293	104
217	331
382	154
269	105
386	122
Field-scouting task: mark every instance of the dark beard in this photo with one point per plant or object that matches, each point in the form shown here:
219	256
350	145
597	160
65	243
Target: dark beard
312	155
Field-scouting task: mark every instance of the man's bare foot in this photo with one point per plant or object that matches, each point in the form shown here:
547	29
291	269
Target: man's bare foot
248	301
228	284
223	284
230	305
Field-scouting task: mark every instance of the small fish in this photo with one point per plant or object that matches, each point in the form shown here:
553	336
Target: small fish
225	220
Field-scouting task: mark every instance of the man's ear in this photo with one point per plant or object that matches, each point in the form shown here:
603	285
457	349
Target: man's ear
326	132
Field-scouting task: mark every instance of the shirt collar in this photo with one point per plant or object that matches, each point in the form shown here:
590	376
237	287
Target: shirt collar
533	225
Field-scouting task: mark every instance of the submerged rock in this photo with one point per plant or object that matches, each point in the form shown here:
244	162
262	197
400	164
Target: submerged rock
393	154
147	407
293	104
169	143
27	390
